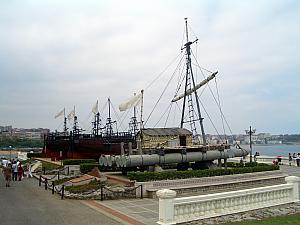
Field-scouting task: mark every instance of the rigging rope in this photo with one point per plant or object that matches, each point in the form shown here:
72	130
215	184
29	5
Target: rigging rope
213	95
220	107
163	71
162	94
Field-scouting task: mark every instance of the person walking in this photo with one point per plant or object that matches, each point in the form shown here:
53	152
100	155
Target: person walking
14	168
20	171
290	159
28	167
298	159
7	174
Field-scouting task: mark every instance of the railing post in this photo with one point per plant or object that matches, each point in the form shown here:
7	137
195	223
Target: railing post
295	182
166	206
53	187
44	169
40	180
46	183
101	193
141	191
62	192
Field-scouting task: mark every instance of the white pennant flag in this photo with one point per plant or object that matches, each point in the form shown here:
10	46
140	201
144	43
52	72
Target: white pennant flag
61	113
133	101
71	115
95	108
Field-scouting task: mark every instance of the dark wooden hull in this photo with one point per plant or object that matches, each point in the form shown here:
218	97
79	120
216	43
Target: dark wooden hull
85	146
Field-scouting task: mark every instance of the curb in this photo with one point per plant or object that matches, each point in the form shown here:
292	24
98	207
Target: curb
116	215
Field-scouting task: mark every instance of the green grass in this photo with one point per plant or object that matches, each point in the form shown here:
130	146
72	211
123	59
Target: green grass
279	220
93	185
50	166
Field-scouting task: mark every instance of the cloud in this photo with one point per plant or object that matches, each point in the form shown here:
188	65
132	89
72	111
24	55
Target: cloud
58	54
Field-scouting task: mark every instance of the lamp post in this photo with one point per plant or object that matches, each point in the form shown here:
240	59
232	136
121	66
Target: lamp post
250	132
9	153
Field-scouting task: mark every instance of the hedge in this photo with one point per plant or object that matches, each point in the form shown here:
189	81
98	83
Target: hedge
35	154
87	167
78	161
171	175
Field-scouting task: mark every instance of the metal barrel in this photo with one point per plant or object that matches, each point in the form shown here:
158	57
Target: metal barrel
148	160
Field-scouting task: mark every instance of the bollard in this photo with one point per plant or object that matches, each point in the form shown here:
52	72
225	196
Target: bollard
46	183
44	169
141	191
101	193
40	180
62	192
53	187
68	170
58	174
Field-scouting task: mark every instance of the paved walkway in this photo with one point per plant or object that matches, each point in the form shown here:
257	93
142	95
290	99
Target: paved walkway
145	210
25	203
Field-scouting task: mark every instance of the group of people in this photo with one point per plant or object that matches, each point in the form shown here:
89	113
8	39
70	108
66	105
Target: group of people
294	157
14	171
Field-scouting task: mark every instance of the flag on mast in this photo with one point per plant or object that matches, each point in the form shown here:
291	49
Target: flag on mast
133	101
61	113
71	115
95	108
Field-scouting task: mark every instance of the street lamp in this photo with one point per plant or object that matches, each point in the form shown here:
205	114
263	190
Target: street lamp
9	153
250	132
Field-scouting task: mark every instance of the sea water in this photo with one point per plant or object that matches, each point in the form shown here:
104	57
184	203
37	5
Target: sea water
274	150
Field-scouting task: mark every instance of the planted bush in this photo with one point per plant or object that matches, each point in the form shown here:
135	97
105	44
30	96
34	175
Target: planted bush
171	175
87	167
35	154
78	161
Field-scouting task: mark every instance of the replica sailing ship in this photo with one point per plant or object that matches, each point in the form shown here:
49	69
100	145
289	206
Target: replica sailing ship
75	144
178	145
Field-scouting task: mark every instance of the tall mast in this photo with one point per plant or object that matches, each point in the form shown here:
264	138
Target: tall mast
108	123
190	77
65	122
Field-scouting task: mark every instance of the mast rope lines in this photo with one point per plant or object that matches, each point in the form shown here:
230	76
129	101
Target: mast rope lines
189	92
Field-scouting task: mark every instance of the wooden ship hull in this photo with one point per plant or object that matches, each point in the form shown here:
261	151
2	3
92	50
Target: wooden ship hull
84	146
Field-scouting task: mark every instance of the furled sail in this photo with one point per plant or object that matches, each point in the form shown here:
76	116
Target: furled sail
95	108
61	113
71	115
202	83
133	101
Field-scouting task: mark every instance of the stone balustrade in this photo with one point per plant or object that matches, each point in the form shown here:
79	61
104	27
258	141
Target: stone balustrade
206	183
178	210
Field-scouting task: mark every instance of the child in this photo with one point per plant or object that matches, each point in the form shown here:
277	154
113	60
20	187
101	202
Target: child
7	174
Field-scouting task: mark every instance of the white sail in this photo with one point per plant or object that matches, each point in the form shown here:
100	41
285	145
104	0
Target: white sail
133	101
95	108
188	92
71	115
59	114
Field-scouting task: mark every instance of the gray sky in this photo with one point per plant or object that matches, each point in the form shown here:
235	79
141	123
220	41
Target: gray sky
56	54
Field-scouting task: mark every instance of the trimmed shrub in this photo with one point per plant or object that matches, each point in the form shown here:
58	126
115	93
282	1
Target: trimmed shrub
78	161
87	167
35	154
171	175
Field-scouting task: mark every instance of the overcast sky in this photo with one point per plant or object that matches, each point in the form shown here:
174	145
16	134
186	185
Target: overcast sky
56	54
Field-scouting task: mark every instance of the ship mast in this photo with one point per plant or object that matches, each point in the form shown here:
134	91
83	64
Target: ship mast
65	122
96	124
188	90
109	122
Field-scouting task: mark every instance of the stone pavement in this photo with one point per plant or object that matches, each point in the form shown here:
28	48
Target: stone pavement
145	211
25	203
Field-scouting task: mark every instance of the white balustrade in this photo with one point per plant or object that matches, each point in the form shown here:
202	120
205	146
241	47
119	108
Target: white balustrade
177	210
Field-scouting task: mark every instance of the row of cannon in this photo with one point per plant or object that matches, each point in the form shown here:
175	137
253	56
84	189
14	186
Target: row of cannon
127	161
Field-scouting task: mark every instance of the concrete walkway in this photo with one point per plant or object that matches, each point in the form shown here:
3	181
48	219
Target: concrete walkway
145	211
25	203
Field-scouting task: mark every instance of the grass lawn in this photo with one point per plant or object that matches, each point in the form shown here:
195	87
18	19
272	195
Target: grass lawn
280	220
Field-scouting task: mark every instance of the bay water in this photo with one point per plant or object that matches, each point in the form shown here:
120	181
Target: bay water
274	150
